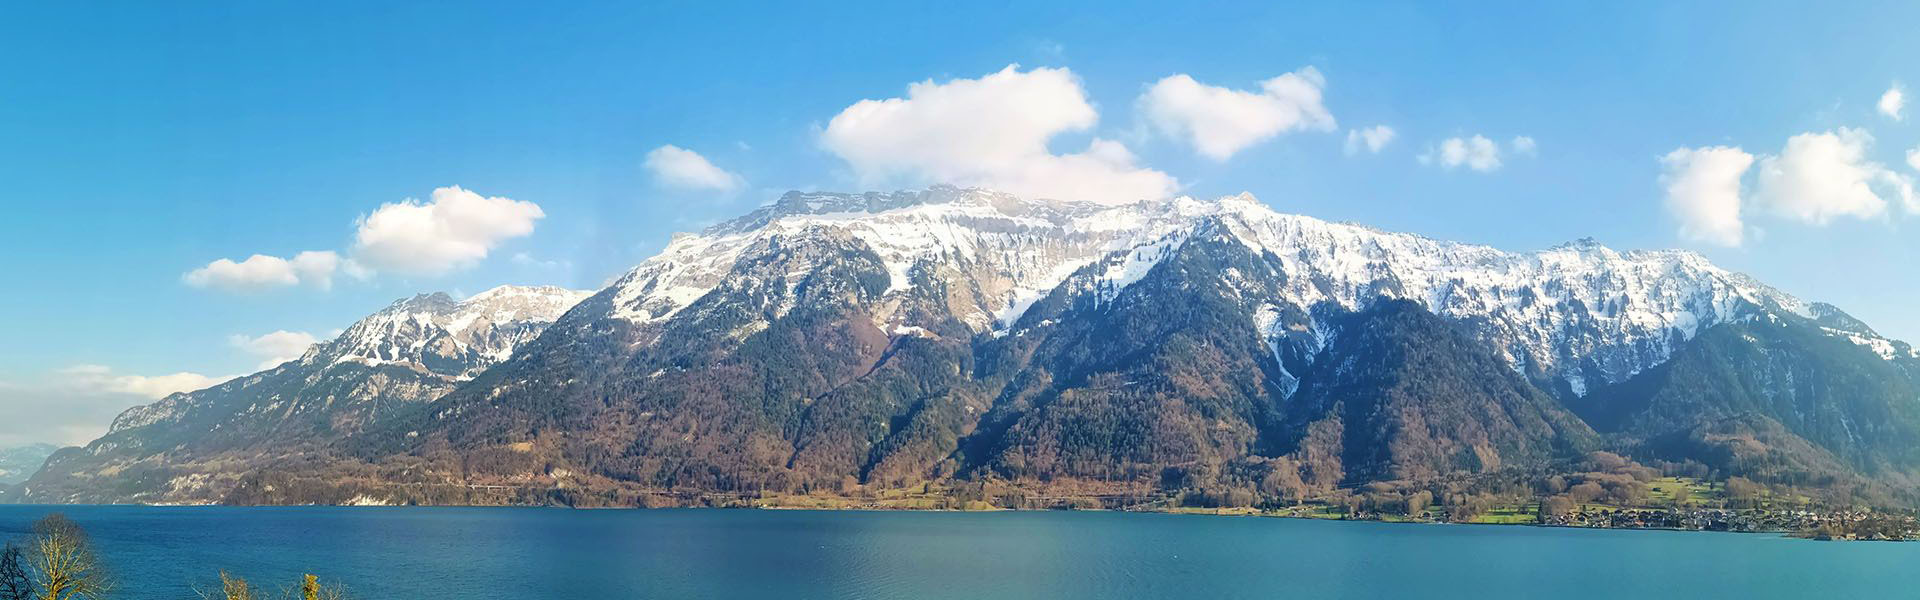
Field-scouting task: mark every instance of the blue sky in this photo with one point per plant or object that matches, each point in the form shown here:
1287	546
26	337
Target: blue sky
140	142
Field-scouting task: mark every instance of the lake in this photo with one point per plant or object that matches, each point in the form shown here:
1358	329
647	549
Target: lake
522	553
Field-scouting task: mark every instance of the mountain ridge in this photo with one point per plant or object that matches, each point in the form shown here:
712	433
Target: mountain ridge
832	341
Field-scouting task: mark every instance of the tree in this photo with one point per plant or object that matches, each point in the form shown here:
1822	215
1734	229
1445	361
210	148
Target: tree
1557	505
232	587
1417	503
1585	492
310	589
1602	460
64	563
15	584
1556	484
1742	492
1681	495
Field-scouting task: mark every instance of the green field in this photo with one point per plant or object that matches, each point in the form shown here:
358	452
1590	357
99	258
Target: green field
1525	514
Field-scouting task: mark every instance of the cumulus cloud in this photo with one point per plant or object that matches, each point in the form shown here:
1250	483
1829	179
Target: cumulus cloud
274	348
1220	121
674	166
1822	176
99	378
1816	178
1893	103
256	272
1477	153
260	272
316	268
1372	139
1913	158
1703	192
991	132
454	229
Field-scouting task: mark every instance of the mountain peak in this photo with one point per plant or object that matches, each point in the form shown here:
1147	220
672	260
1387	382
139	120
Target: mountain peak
434	333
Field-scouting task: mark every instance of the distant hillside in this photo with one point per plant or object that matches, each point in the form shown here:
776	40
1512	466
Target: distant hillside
19	462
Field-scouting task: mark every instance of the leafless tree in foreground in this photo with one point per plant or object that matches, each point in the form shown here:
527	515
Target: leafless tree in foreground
63	563
231	588
15	584
234	587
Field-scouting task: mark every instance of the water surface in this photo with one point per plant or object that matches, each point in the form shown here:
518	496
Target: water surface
521	553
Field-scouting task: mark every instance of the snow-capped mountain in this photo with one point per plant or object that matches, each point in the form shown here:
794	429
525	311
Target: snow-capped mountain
406	354
442	339
951	335
458	339
1580	314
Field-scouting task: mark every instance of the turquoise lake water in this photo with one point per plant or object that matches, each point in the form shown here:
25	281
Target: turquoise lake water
521	553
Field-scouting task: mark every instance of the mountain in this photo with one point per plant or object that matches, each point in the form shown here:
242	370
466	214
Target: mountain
19	462
1782	398
1414	398
190	447
957	337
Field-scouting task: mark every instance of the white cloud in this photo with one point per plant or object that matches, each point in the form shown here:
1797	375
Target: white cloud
260	272
1372	139
1913	158
1703	192
1477	153
98	378
316	267
1525	145
455	229
257	272
1220	122
1819	177
274	348
674	166
991	132
1893	103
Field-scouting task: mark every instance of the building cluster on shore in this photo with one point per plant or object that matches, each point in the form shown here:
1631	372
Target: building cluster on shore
1850	524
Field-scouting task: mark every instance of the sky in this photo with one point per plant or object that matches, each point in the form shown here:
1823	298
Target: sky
191	192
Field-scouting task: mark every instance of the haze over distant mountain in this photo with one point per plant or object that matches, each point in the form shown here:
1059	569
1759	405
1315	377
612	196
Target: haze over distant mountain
955	335
19	462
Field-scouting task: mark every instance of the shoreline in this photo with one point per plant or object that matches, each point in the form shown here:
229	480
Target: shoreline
1188	511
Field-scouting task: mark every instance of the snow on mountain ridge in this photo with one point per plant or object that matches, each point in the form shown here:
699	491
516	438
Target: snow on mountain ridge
1024	247
1576	312
435	333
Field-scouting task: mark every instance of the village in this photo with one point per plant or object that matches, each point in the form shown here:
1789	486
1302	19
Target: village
1817	524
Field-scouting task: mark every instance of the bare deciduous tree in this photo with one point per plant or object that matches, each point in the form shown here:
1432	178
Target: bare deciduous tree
64	565
15	584
231	588
234	587
310	589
